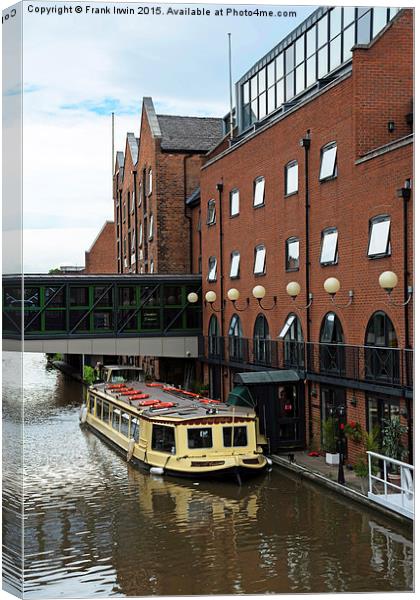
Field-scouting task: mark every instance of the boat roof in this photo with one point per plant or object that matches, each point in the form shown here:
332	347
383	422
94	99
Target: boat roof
186	408
122	367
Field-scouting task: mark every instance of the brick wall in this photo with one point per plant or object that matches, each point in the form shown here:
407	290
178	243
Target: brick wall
101	257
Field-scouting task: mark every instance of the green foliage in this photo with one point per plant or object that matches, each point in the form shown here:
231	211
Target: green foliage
392	432
370	444
330	435
89	374
57	356
54	271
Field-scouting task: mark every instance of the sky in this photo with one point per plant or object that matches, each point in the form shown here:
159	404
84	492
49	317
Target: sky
77	69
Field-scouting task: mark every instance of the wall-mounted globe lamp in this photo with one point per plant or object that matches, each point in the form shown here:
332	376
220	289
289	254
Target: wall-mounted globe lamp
293	289
332	286
234	295
388	280
259	293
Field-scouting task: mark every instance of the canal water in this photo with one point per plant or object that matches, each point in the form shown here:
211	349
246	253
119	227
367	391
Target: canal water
96	526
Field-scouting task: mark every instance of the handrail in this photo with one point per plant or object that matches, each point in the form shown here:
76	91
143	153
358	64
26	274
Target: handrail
391	460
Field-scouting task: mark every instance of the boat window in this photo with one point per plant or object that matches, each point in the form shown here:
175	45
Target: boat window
125	418
116	413
200	438
105	412
135	429
236	438
163	439
92	404
123	375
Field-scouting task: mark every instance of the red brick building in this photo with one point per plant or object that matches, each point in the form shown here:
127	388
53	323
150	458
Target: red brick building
153	177
316	184
101	258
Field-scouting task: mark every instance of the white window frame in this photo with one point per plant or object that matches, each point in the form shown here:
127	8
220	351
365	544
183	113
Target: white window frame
292	240
235	261
151	227
379	227
328	164
152	266
325	259
286	327
260	260
211	215
234	202
140	235
212	272
133	241
150	181
133	202
259	191
291	185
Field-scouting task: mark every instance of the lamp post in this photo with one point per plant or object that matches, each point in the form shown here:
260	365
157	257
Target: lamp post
341	444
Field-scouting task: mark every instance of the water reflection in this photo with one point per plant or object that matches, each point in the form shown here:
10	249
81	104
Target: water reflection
96	526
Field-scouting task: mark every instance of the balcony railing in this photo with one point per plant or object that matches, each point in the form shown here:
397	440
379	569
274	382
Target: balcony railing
383	366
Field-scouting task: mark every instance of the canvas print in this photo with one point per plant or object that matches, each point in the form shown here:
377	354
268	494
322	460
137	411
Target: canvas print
207	299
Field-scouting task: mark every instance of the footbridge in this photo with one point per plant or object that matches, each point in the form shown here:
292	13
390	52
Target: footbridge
146	315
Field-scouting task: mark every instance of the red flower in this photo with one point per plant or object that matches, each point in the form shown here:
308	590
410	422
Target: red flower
352	424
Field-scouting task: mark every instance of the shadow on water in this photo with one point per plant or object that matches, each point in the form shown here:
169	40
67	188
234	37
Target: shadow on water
95	526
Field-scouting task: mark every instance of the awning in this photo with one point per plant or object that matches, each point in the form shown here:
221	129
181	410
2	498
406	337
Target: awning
267	377
240	396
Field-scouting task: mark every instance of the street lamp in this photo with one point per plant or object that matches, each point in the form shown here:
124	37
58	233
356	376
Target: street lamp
293	289
259	294
388	281
332	285
234	295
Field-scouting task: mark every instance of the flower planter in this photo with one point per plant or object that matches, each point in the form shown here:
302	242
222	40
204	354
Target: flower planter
332	459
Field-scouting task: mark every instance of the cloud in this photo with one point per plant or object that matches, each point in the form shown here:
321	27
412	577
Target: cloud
104	107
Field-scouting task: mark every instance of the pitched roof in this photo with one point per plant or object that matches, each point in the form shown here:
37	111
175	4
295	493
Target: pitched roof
133	145
193	198
189	133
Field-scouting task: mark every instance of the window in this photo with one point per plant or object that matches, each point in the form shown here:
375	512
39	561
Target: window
91	407
163	439
291	177
214	347
382	359
328	167
135	429
105	412
259	187
133	241
125	424
292	254
140	234
116	413
235	333
133	202
211	212
259	262
292	335
331	330
151	227
234	203
235	259
152	266
235	436
379	238
261	341
150	182
332	351
200	438
329	253
140	191
212	276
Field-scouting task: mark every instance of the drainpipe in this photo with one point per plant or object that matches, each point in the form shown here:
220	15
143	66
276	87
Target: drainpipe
305	142
187	216
405	194
136	233
121	233
219	188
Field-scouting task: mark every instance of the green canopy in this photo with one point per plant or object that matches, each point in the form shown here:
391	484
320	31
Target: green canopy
261	377
240	396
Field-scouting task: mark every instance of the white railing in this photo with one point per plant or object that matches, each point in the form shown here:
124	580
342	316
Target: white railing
396	494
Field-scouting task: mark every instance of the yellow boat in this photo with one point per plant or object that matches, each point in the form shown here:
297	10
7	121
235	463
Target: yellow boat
172	431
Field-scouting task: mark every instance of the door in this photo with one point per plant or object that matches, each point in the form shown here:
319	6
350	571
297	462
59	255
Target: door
332	400
215	381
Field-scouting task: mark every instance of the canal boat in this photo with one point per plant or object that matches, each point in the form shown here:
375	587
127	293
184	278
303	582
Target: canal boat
170	430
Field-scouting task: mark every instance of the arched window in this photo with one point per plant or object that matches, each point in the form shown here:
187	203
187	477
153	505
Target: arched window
261	340
381	353
292	336
332	352
214	337
236	341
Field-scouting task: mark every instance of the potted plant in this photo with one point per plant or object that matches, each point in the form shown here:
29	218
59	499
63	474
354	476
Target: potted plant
370	444
354	431
329	441
392	446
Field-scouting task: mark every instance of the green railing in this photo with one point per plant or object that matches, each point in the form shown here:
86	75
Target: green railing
105	306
